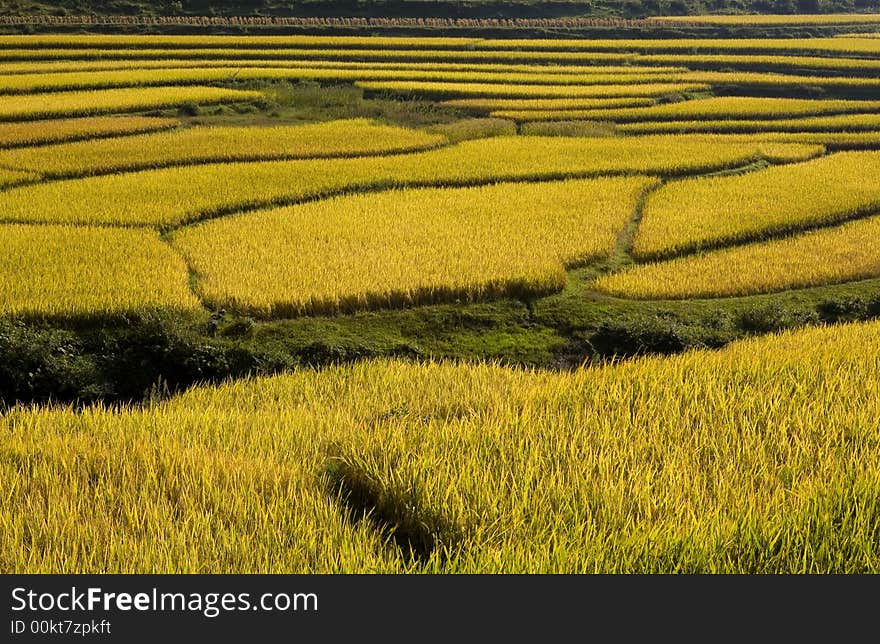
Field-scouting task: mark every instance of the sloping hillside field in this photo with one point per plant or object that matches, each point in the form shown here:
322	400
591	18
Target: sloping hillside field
398	304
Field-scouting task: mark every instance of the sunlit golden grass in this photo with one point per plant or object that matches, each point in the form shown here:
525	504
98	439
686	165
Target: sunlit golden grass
868	139
751	61
162	62
829	256
501	90
493	104
137	44
84	272
23	83
746	79
835	123
838	140
832	46
353	137
153	41
171	196
756	458
50	131
408	247
12	177
312	53
131	492
703	109
113	100
702	212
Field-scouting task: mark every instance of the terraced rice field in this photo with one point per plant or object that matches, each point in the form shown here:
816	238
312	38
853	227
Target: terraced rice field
703	212
408	247
85	272
348	138
25	133
188	193
84	103
731	107
844	253
220	208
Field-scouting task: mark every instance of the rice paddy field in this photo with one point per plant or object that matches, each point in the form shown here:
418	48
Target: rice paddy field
383	304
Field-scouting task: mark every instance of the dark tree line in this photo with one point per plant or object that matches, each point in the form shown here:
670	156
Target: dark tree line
434	8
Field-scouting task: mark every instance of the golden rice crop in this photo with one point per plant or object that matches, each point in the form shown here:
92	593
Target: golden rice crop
170	196
868	139
51	131
835	140
707	211
776	80
703	462
751	61
500	90
835	123
492	104
152	41
417	45
353	137
170	63
10	177
130	493
496	50
21	83
832	46
113	100
705	108
707	462
829	256
351	55
408	247
88	272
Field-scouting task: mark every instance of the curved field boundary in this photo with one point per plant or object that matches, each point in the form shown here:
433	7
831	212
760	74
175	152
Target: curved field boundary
789	64
350	55
345	138
703	109
49	105
867	47
161	41
835	123
687	45
12	176
494	104
43	67
29	83
408	247
174	196
28	133
691	214
498	90
844	253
